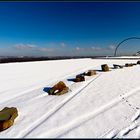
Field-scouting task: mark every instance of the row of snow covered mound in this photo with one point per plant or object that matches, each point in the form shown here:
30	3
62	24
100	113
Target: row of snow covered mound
60	88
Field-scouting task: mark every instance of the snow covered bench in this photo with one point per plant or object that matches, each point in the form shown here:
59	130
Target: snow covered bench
7	117
79	78
128	65
138	62
90	73
117	66
59	89
104	67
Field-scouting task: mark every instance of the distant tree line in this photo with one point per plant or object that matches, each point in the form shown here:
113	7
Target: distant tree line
28	59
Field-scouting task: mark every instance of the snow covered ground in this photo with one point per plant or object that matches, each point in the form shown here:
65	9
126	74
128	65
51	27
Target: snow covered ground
104	106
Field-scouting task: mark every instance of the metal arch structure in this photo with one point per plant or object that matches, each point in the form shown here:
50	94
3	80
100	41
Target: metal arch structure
137	53
124	41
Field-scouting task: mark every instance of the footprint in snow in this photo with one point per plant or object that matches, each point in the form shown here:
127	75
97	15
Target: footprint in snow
130	104
126	101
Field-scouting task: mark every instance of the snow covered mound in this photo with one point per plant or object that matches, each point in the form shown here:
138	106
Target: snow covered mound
105	105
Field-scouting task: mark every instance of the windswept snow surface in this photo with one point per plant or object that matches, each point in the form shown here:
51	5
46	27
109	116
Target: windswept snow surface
106	105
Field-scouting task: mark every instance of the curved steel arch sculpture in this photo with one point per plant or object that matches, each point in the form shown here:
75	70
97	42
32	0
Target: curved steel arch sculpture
124	41
137	52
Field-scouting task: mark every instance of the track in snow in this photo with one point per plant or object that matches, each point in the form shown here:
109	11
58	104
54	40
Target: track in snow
76	123
55	109
60	131
133	125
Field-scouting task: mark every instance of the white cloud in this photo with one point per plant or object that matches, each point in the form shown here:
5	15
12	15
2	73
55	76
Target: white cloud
96	48
63	45
46	49
32	47
77	48
55	49
25	46
111	47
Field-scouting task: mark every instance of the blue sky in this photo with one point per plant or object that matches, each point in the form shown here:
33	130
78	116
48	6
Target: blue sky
68	28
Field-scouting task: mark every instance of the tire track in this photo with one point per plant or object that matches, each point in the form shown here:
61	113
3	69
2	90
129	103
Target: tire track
136	116
123	132
128	129
134	124
62	130
46	116
138	132
111	135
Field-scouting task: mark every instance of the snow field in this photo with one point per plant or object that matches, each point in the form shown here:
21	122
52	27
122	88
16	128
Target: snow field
105	105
